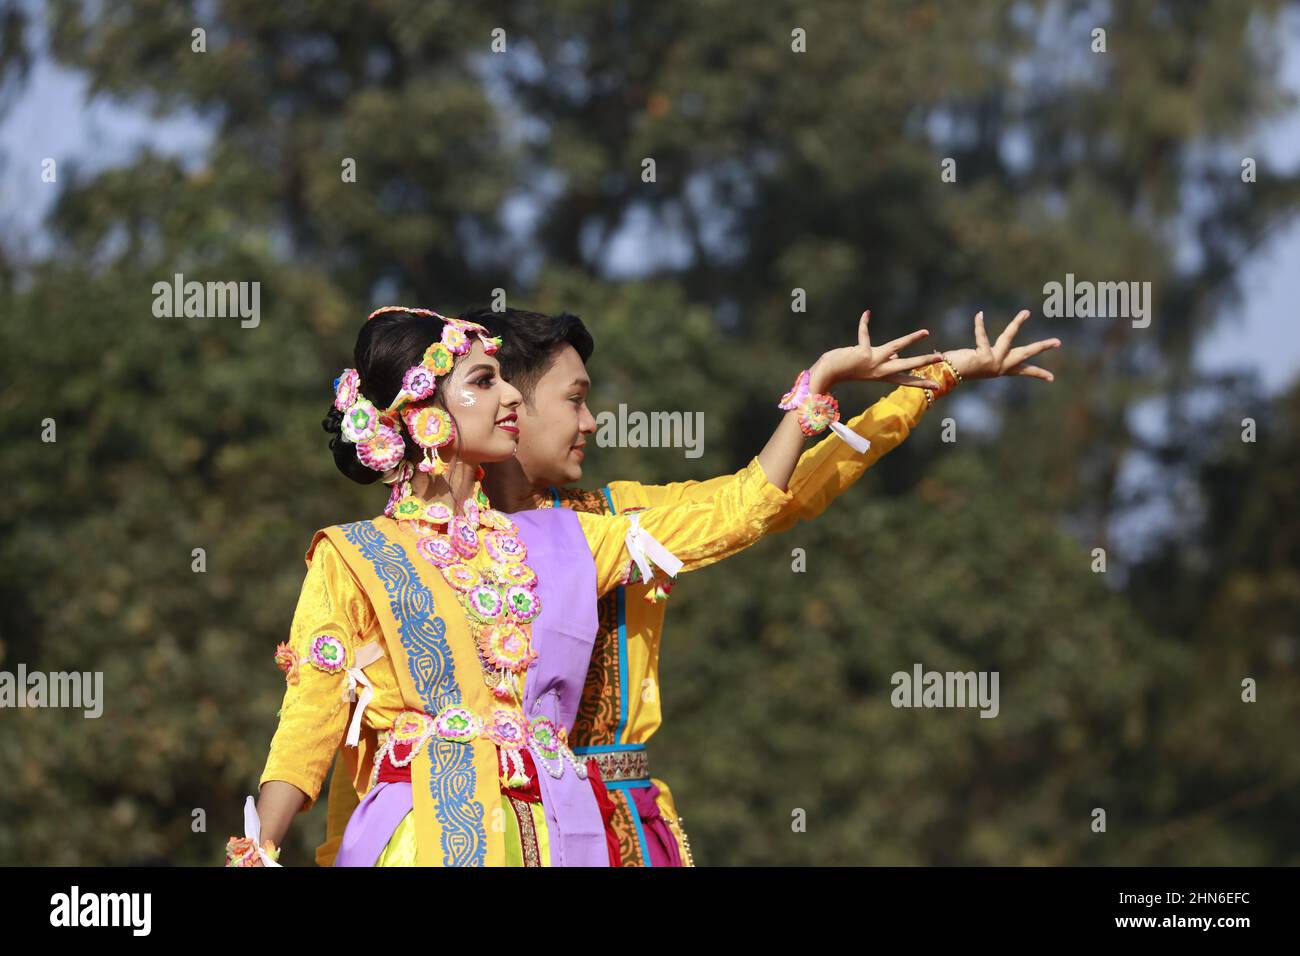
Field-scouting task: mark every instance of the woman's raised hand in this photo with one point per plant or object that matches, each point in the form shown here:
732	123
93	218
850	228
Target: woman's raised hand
865	362
985	361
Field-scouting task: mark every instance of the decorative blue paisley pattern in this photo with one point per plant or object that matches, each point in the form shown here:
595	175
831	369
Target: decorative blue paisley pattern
423	635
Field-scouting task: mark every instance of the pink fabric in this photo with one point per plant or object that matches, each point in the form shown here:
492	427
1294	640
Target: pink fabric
607	810
659	839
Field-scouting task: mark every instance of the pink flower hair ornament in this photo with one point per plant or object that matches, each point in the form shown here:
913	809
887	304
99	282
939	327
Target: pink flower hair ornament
377	434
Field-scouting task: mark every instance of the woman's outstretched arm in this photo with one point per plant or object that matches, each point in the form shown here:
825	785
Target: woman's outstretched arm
862	362
697	534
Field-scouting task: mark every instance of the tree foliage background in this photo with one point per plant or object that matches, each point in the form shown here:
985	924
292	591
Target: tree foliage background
775	170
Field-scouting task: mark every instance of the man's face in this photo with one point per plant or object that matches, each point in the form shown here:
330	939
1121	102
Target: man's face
554	426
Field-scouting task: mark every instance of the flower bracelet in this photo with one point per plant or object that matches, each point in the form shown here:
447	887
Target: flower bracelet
816	411
241	851
251	849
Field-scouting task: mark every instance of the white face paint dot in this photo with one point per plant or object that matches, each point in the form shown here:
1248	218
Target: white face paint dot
468	399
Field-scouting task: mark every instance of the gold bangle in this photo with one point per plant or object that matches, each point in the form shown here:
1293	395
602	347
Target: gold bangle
953	368
929	373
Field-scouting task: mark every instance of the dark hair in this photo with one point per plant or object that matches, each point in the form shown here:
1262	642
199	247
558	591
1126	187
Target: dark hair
387	346
529	341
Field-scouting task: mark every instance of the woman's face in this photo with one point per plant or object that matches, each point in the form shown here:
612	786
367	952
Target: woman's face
484	406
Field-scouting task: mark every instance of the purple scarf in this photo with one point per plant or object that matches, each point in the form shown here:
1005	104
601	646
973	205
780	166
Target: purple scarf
563	636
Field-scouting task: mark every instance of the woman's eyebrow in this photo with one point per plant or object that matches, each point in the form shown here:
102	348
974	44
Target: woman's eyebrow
479	366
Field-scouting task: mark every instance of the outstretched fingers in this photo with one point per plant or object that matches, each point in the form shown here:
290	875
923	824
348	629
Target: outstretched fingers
981	337
899	344
902	378
1003	344
897	365
1023	352
1032	371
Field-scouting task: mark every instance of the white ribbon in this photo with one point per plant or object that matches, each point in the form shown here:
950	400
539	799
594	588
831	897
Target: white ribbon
253	830
367	654
856	441
643	548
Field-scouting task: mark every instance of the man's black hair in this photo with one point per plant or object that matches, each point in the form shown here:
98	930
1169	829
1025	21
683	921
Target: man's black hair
529	342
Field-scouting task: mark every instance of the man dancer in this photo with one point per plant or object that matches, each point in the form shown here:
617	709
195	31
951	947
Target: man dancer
545	358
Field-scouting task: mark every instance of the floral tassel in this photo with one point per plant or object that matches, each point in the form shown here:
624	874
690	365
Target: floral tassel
659	592
502	689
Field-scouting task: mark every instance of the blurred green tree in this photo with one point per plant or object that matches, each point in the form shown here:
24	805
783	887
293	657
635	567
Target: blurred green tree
775	170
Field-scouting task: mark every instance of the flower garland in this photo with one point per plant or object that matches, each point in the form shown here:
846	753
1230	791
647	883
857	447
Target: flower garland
480	554
504	727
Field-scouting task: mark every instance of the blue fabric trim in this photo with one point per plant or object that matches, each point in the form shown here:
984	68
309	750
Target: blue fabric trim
608	748
621	729
622	664
555	496
424	637
635	814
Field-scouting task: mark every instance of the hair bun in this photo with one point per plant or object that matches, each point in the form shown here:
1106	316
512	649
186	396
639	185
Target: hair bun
345	453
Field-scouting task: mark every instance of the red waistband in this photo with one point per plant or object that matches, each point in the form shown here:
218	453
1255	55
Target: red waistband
390	773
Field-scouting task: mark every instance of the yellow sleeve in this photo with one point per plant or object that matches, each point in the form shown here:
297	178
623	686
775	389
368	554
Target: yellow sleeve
830	467
633	494
699	533
314	715
824	472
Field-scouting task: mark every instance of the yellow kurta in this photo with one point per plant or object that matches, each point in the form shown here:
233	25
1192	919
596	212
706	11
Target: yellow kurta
315	714
621	708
